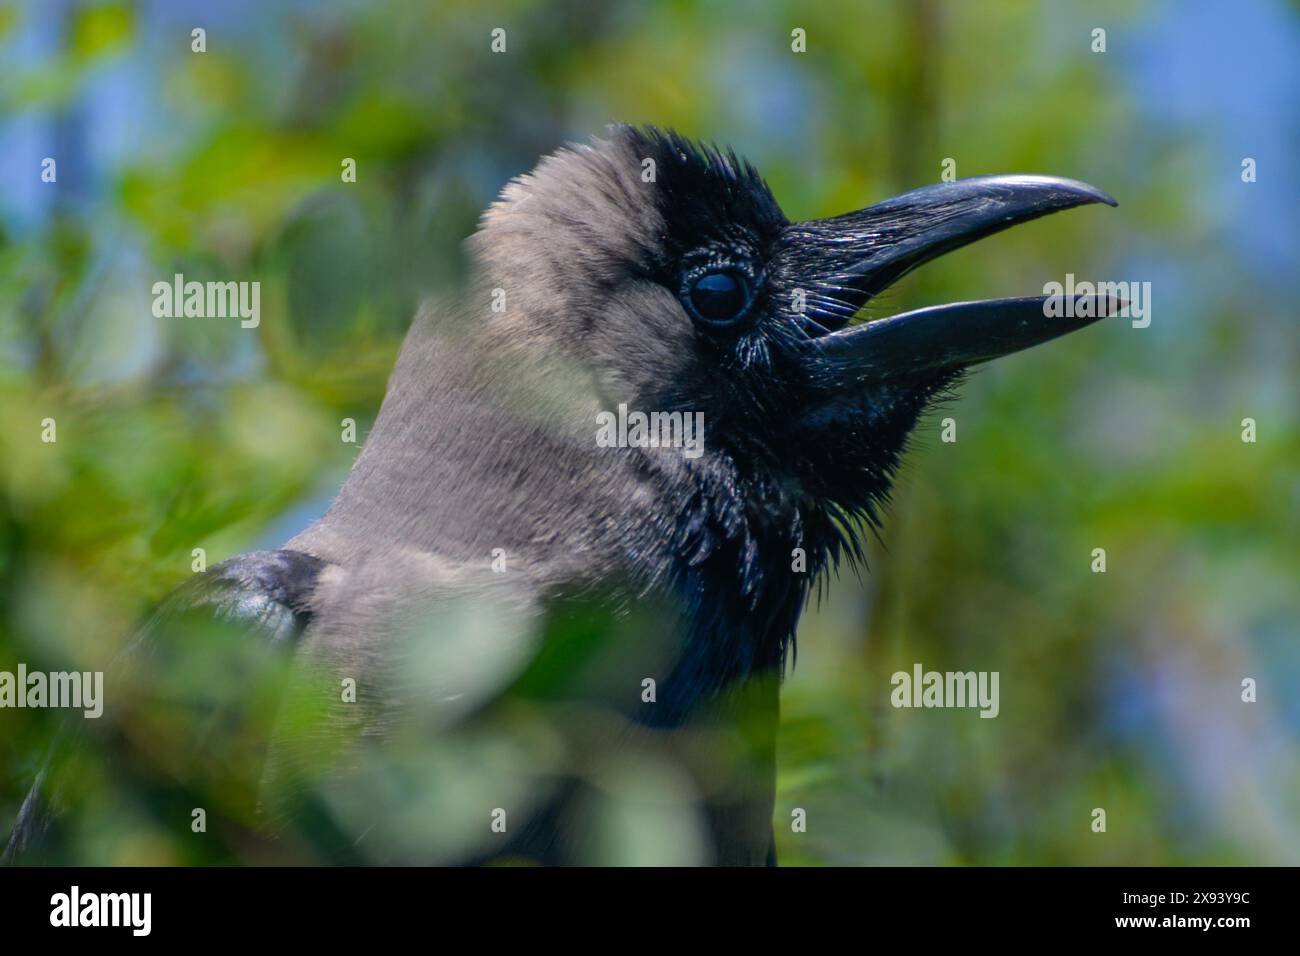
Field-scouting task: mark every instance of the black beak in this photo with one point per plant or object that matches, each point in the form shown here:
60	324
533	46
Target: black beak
843	262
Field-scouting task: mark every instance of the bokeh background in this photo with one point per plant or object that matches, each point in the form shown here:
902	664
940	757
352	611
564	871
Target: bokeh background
1119	690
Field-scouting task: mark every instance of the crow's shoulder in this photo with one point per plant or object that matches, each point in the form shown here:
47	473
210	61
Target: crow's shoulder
263	591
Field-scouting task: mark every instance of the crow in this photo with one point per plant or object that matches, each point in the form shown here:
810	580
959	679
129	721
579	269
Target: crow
565	573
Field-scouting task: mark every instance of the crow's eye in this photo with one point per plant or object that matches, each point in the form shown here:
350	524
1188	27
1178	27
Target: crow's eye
719	298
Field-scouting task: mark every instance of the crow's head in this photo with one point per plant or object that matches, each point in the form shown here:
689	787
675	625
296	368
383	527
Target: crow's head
669	269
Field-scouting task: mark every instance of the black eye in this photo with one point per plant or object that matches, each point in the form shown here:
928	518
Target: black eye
721	297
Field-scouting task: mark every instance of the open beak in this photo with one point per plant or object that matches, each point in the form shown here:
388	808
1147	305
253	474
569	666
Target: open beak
844	261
